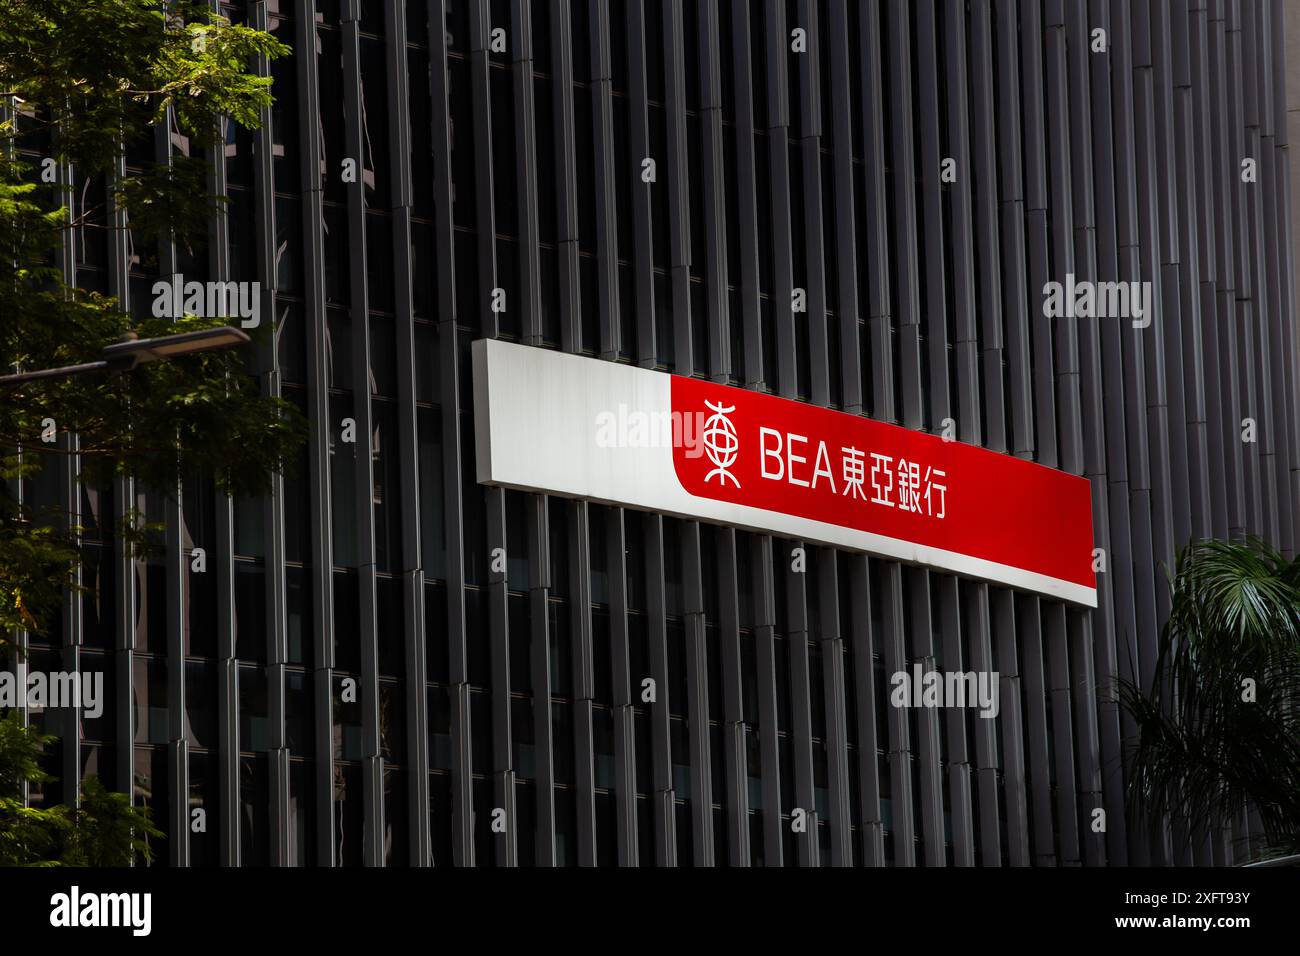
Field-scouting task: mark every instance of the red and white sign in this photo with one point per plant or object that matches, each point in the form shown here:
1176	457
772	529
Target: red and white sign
562	424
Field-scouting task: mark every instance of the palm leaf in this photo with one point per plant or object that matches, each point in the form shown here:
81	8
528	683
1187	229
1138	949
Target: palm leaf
1217	723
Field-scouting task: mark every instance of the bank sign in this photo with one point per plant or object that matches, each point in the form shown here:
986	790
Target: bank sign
562	424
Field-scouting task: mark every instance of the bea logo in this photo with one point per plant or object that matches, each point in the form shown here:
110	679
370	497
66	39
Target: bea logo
721	444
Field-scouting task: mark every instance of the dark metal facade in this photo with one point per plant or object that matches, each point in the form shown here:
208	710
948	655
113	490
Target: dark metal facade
360	676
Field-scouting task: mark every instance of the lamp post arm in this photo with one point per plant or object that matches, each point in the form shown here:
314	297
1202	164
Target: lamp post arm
45	373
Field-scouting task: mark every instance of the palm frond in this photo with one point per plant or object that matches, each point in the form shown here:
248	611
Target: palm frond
1217	723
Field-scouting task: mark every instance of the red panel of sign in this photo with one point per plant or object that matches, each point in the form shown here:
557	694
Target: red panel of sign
796	459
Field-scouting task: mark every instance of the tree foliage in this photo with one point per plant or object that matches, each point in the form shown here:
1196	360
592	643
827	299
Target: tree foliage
86	80
1219	724
103	830
83	84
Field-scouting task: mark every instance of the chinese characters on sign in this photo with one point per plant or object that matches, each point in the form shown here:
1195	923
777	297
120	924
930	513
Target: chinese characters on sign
902	484
910	482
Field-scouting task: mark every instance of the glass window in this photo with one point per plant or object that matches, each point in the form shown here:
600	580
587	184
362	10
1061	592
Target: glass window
204	795
201	704
298	602
349	810
347	719
433	544
391	627
299	713
150	789
254	712
347	622
396	847
250	611
302	813
150	690
379	258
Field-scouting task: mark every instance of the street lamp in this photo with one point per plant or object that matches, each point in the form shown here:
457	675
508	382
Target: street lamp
131	351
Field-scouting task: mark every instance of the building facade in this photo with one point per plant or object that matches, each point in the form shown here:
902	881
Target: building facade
857	205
